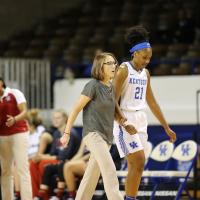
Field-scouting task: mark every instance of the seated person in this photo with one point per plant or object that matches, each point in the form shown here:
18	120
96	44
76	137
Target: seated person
36	130
71	169
75	168
57	152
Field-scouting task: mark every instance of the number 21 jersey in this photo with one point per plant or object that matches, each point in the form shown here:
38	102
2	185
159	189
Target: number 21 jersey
133	96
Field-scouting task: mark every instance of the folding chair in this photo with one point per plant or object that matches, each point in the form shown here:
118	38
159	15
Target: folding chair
171	181
158	161
148	153
159	156
186	152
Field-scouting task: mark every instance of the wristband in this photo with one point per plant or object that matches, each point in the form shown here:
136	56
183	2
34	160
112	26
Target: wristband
66	133
126	123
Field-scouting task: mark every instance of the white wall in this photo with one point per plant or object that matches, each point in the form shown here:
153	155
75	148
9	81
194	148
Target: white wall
176	96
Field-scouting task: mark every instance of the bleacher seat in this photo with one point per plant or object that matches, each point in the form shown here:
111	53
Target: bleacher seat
163	69
102	24
183	69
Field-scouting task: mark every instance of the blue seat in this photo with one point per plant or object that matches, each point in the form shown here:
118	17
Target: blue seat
160	156
158	161
172	180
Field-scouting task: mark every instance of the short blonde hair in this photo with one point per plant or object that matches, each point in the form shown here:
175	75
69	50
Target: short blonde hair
62	112
97	67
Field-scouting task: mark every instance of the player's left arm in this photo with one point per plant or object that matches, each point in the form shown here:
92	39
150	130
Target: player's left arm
155	108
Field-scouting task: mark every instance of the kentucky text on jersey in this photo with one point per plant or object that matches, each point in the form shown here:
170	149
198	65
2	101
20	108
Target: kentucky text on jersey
137	81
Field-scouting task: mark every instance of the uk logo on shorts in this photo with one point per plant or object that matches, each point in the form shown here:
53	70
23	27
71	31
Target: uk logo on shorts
133	145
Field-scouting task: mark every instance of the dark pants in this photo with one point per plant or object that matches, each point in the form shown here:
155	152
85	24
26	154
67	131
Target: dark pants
53	170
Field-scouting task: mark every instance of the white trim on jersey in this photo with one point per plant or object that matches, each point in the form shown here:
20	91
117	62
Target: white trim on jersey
19	96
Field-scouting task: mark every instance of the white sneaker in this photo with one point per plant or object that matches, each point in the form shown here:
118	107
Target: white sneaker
36	198
54	198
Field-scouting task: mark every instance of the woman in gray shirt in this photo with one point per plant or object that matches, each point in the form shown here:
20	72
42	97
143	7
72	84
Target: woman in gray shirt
99	110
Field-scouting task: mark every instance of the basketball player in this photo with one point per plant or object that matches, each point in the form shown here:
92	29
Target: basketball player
133	89
13	142
98	103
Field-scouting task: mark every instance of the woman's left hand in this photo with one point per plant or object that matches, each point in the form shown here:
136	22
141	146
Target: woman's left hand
130	129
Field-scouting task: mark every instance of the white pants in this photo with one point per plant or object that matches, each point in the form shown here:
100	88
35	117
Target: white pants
14	148
100	162
127	143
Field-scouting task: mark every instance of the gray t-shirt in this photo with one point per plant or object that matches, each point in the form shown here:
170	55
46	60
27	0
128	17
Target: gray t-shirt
98	114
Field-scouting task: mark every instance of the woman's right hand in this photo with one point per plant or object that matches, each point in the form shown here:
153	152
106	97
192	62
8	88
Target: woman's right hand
65	139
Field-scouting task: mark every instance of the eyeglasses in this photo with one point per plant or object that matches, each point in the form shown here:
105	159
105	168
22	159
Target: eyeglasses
110	63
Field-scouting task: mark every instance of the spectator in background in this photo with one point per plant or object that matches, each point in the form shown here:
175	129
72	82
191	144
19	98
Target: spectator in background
69	74
36	129
88	62
98	51
75	166
54	172
13	142
185	28
57	152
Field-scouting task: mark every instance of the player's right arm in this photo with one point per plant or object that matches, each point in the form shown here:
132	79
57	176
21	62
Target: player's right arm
119	80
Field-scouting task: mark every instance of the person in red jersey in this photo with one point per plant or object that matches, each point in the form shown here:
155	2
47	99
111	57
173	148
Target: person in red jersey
13	142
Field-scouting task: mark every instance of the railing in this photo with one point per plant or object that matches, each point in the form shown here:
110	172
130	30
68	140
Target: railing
32	77
197	139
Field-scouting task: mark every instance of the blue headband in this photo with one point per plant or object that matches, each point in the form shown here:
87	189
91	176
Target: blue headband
143	45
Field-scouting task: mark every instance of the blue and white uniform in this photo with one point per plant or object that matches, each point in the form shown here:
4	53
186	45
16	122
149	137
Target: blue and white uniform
133	105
